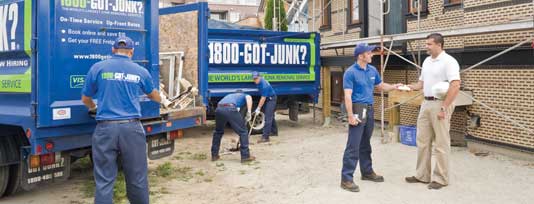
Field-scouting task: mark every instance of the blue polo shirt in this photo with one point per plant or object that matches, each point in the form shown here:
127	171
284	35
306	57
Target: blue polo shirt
238	99
117	83
265	88
361	82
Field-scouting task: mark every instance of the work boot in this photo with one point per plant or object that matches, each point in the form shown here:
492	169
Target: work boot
413	179
435	185
373	177
350	186
249	159
263	140
215	157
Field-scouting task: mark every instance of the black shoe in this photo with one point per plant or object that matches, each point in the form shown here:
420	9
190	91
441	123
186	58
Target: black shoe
413	179
263	140
215	157
249	159
435	185
350	186
373	177
273	134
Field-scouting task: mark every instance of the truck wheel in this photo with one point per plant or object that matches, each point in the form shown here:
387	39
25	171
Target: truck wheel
293	111
259	123
257	128
14	170
4	170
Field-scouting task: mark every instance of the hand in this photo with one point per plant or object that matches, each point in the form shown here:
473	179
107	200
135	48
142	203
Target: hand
353	121
441	115
398	85
92	111
412	87
248	117
257	111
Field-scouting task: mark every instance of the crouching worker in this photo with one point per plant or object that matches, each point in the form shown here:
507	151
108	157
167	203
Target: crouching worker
228	112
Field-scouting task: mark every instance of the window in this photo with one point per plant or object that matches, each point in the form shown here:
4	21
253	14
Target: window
452	2
354	12
326	9
220	16
412	6
234	17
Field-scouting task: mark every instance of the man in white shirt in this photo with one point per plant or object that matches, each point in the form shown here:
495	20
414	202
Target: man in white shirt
433	123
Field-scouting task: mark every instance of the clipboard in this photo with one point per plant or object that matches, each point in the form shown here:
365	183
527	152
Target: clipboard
360	111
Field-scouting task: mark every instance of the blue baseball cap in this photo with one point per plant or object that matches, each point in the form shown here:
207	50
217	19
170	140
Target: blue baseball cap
255	74
128	43
363	47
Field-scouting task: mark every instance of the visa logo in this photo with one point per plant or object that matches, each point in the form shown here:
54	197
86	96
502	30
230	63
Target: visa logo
77	81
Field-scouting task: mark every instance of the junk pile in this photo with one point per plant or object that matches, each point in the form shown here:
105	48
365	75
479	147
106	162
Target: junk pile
185	99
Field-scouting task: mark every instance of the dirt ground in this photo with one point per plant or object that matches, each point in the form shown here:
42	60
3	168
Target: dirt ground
303	165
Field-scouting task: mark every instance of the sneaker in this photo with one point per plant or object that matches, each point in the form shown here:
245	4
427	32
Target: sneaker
350	186
373	177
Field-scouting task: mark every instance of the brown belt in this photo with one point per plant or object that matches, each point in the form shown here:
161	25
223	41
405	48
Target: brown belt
431	98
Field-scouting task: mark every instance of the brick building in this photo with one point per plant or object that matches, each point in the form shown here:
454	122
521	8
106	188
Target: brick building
505	83
231	11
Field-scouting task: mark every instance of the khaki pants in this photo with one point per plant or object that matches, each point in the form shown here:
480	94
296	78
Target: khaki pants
431	129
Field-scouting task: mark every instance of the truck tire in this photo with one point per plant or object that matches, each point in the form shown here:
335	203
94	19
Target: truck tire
4	170
259	123
293	111
13	185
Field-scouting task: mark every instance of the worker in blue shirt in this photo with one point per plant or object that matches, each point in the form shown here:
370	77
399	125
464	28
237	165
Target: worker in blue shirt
359	82
228	112
268	98
116	83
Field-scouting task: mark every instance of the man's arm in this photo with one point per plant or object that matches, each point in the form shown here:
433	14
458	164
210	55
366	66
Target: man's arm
454	89
262	101
387	87
88	102
154	96
249	103
417	86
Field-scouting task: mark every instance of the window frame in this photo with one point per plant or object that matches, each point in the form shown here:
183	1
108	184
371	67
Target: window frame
327	12
424	8
350	20
448	3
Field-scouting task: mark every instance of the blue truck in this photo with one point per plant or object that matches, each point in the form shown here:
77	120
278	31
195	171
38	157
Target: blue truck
229	53
46	49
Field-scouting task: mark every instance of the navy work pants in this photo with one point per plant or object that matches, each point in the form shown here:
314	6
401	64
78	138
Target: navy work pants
129	140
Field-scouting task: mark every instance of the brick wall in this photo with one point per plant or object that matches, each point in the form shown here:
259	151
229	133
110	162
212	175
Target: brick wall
510	91
474	3
437	18
338	30
497	12
507	89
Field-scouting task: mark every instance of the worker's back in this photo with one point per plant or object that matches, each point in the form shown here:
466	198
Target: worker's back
117	83
238	99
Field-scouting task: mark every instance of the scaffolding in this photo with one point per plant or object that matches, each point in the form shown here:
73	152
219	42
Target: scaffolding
520	25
